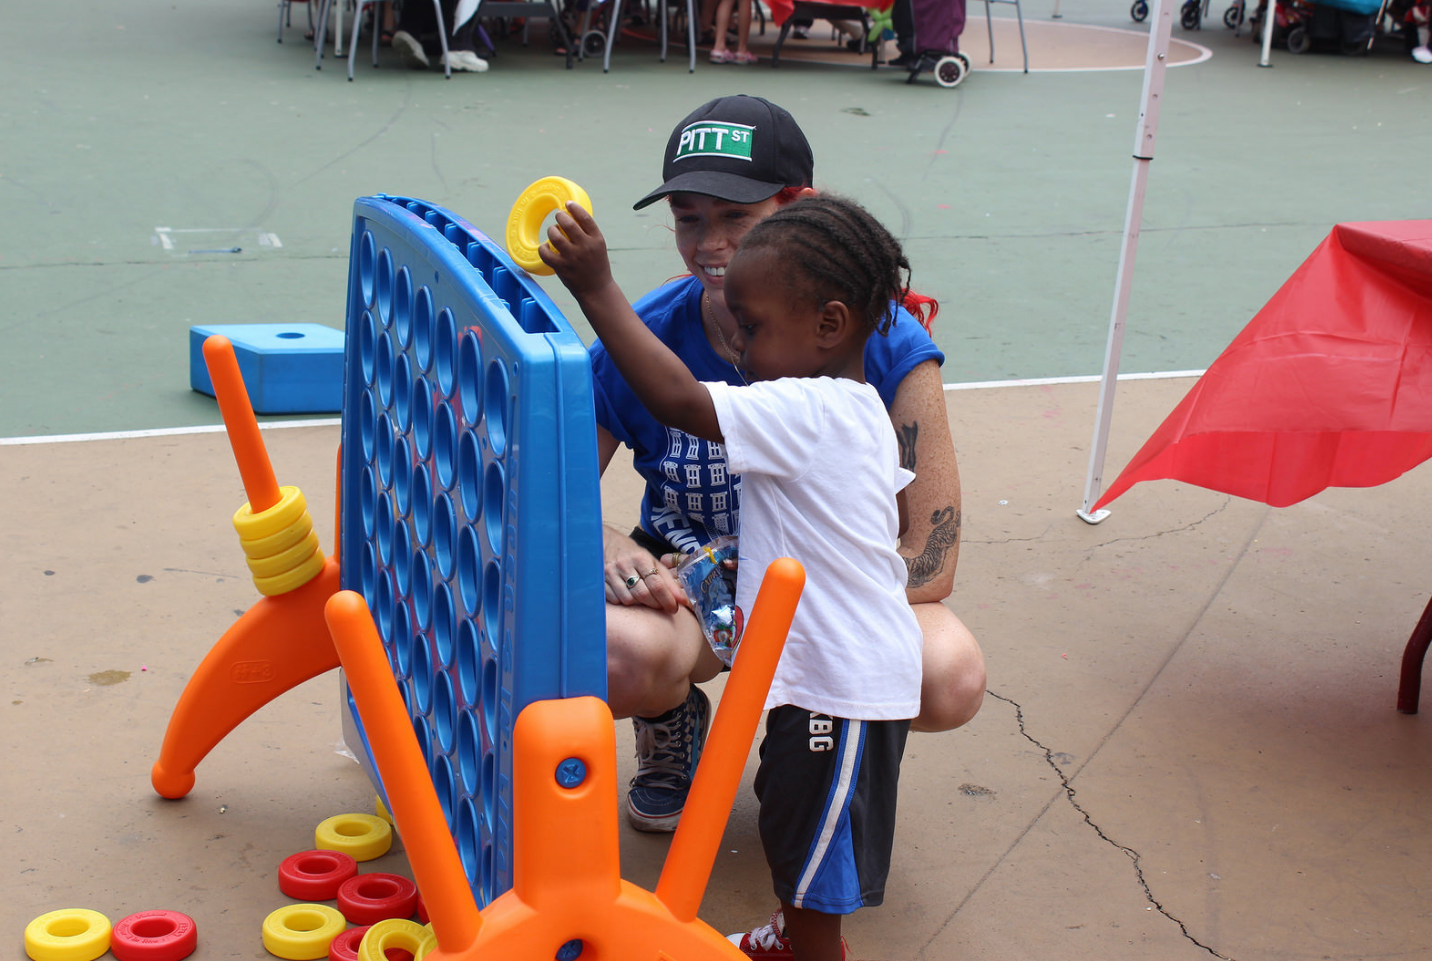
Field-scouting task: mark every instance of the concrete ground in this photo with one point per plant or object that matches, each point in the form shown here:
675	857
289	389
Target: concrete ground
1189	747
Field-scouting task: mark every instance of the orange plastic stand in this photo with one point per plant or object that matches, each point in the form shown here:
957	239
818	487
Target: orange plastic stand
239	421
276	645
567	883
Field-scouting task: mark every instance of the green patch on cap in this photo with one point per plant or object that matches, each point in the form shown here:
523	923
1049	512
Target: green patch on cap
710	138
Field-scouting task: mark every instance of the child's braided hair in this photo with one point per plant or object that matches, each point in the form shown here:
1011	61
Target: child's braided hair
838	251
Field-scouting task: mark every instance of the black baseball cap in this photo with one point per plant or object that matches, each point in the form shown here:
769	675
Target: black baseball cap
740	149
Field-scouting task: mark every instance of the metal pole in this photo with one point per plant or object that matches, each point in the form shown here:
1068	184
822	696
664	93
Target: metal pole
1160	30
1268	19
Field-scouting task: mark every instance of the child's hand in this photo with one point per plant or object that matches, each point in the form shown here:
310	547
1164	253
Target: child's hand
577	252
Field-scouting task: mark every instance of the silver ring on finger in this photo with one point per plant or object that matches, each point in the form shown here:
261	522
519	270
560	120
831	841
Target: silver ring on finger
649	573
632	581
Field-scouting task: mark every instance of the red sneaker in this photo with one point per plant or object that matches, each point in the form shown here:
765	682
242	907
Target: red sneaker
769	941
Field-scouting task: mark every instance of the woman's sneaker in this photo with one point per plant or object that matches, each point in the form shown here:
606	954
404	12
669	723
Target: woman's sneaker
769	941
465	60
667	749
410	50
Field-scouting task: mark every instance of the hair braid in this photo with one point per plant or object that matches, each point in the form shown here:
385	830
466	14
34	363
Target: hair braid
838	251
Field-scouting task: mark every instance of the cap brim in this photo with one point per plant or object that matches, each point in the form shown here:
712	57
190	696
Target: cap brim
731	188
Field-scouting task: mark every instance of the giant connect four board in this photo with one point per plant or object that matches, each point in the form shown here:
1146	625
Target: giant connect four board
470	510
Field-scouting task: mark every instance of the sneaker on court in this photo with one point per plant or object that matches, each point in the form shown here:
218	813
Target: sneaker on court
465	60
410	49
667	749
769	941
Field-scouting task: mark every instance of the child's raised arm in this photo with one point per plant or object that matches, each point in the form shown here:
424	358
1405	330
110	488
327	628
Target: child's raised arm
577	253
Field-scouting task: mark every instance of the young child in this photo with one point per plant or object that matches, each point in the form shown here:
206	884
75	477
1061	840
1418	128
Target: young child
820	472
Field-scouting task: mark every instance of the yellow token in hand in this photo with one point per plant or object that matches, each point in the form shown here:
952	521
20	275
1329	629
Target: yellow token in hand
525	222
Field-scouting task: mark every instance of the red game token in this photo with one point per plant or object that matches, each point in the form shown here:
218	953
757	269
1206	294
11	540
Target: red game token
315	875
369	898
154	936
345	946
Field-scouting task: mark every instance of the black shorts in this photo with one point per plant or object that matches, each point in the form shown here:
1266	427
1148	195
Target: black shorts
656	545
827	788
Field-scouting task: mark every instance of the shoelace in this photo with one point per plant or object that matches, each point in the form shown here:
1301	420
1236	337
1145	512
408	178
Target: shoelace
660	748
768	937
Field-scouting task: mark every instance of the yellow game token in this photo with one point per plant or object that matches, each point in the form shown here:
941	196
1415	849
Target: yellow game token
70	934
524	224
362	837
428	945
392	933
302	932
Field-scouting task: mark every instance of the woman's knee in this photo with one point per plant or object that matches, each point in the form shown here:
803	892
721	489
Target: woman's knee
953	686
649	660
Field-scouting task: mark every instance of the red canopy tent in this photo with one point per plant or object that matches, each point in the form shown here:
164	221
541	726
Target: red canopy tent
1330	385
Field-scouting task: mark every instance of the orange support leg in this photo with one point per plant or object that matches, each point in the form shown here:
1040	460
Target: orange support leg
411	798
718	775
282	640
276	645
567	882
243	428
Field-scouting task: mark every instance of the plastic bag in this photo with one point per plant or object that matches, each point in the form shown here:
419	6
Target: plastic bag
708	576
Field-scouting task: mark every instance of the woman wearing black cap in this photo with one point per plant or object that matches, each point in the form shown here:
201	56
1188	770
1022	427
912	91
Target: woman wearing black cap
728	165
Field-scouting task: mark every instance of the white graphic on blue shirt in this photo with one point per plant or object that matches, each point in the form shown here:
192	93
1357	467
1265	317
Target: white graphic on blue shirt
697	493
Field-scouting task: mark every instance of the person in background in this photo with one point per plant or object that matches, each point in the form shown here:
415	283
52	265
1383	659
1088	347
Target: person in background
742	54
417	40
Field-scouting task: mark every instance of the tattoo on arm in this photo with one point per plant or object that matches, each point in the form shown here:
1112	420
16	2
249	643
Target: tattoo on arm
905	436
944	535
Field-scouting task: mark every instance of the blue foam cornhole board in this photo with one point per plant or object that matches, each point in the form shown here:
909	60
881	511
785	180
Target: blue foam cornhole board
287	368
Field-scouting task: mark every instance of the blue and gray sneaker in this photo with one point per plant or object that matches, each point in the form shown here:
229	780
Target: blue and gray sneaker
667	749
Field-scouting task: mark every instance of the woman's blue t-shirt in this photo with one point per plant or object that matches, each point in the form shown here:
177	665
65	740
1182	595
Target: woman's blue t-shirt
690	497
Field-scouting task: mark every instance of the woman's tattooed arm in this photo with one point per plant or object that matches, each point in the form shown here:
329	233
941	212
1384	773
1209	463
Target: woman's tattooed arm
944	535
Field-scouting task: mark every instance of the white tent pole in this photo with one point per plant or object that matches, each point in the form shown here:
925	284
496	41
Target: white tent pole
1268	18
1155	66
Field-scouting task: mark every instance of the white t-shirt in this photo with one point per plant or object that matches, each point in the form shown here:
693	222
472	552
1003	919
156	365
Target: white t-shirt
820	470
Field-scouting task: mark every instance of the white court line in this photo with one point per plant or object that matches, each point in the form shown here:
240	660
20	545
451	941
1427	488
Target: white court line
265	238
336	421
159	432
1204	53
1079	379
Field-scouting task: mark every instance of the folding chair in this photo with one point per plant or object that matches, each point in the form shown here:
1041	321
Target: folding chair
664	16
812	10
357	24
990	24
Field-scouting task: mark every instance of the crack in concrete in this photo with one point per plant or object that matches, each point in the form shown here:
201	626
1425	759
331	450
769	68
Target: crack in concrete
1009	540
1117	540
1134	857
1172	530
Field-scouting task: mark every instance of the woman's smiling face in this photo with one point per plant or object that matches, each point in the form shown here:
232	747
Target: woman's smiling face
709	230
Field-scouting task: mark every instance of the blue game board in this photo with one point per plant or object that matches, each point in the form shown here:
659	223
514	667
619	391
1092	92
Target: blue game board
470	508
